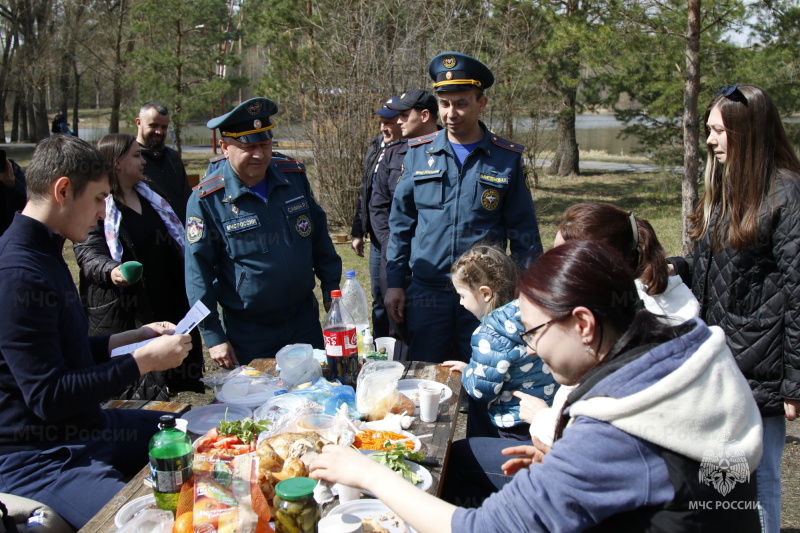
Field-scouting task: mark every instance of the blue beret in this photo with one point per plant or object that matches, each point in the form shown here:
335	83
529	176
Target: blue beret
386	111
452	71
248	122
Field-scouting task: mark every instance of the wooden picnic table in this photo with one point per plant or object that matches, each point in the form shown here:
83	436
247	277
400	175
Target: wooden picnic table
436	447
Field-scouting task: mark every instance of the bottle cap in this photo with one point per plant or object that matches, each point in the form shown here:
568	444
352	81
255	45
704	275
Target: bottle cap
166	421
296	488
336	293
350	274
131	271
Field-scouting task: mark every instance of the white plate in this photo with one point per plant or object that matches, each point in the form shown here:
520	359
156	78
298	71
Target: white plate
130	509
421	471
410	388
372	509
201	419
414	439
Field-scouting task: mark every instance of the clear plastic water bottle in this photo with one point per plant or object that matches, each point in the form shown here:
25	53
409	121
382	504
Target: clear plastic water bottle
355	300
341	343
170	463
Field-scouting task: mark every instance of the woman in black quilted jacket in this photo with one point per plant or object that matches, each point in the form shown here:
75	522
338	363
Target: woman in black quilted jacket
744	268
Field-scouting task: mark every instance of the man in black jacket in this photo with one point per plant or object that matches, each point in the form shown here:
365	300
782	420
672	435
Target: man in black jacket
162	163
390	134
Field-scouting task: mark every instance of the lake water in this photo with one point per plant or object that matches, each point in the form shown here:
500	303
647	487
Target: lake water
595	132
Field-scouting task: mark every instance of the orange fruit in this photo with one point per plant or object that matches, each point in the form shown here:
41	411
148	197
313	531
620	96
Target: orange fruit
184	523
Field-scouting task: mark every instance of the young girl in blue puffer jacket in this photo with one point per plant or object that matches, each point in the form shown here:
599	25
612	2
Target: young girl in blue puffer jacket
485	277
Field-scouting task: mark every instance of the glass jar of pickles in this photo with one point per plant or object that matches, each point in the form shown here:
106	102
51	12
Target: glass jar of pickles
295	508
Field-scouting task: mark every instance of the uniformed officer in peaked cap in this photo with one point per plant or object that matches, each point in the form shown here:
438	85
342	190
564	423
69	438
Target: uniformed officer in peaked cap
459	186
256	239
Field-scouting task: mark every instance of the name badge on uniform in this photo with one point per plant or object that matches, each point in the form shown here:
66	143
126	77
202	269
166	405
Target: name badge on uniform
241	224
421	176
296	206
492	179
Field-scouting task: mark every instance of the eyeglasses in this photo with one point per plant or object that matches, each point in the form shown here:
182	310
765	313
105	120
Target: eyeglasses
529	337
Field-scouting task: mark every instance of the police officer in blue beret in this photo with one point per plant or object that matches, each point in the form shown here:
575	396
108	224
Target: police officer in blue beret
459	186
256	238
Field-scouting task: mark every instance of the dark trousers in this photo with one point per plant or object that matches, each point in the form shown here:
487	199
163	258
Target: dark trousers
77	478
474	473
380	318
440	328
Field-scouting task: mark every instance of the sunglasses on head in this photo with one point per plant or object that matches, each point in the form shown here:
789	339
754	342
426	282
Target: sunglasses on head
732	92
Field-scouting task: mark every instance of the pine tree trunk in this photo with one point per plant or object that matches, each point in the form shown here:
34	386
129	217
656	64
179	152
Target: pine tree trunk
690	122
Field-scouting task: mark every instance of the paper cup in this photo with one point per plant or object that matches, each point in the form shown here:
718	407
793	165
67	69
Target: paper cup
388	343
347	494
429	398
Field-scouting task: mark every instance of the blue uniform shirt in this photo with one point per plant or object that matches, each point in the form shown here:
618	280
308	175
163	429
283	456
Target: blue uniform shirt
438	212
256	259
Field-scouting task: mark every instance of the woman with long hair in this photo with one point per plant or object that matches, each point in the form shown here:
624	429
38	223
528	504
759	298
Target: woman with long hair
743	268
652	411
141	226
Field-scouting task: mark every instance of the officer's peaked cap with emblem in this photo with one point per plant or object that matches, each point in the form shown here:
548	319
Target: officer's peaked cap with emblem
386	111
453	71
415	99
248	122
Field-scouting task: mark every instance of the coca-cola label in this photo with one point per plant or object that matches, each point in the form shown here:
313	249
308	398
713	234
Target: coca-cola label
340	341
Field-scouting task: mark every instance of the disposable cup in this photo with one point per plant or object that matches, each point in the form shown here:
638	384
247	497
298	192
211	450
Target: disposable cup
347	494
429	397
388	343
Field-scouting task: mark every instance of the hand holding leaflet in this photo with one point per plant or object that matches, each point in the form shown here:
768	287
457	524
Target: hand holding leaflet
197	313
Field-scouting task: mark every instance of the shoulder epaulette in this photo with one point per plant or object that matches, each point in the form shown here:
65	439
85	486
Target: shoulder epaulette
508	145
209	185
289	165
217	158
425	139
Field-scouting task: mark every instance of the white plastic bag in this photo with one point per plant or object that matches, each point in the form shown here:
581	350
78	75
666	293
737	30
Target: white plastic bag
150	521
297	364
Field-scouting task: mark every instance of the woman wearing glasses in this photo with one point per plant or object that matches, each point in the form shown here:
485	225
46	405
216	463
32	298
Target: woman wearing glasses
651	412
743	268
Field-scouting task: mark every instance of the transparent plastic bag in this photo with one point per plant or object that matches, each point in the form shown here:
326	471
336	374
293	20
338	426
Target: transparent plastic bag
377	390
216	381
149	521
298	365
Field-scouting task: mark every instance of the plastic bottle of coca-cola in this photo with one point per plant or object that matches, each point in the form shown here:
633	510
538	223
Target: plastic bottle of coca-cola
341	343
